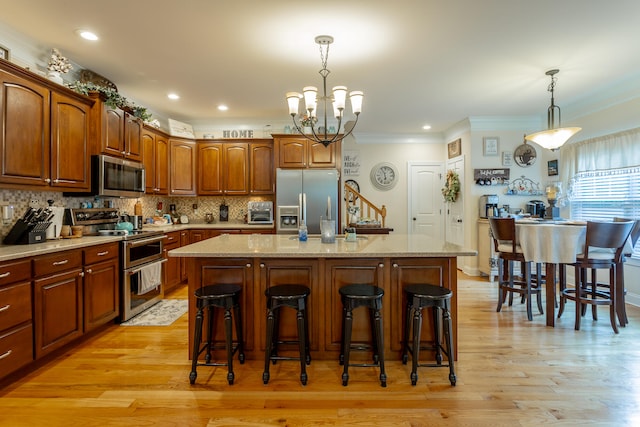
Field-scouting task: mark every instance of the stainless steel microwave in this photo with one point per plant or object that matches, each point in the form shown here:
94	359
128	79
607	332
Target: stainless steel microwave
117	177
114	177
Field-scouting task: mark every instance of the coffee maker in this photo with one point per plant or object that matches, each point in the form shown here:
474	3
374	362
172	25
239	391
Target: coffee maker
488	205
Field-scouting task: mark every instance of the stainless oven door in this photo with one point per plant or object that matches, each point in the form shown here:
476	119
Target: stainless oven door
133	300
141	251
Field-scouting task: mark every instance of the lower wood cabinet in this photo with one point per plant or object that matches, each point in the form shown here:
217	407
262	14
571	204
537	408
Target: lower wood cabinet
101	285
340	273
172	271
16	326
58	304
274	272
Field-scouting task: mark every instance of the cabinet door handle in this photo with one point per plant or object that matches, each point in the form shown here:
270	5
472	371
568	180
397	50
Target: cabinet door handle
102	253
261	265
3	275
47	180
89	271
63	262
381	265
5	355
395	265
248	265
5	308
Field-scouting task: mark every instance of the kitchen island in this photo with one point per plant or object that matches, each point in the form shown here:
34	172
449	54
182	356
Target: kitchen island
258	261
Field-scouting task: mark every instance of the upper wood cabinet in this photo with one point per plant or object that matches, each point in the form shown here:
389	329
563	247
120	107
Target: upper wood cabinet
44	133
297	152
118	132
182	167
155	148
239	167
261	173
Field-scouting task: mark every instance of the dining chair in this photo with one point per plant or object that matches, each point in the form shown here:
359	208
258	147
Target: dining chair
603	249
633	239
503	232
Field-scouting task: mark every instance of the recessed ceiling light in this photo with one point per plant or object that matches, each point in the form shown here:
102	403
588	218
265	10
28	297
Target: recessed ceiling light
426	127
222	107
87	35
173	96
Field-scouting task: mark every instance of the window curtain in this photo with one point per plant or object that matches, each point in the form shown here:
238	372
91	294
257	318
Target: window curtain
609	152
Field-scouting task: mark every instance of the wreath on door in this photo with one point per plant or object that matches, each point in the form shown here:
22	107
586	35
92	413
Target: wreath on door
451	189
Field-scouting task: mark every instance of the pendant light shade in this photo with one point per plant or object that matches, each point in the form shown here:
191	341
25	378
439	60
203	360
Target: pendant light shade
554	137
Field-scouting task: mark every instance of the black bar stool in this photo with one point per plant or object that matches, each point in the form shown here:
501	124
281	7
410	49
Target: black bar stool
226	296
354	296
424	296
294	296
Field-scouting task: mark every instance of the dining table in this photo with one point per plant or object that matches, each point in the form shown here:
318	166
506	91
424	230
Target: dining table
552	242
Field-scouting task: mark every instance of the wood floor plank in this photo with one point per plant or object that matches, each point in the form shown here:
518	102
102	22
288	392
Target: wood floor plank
510	372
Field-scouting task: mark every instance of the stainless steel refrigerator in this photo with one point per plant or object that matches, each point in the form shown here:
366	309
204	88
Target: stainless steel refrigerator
318	187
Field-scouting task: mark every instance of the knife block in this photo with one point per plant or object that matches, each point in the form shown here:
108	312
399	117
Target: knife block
23	233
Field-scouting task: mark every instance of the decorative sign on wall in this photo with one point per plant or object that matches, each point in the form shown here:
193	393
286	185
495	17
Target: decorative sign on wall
177	128
491	176
351	163
240	133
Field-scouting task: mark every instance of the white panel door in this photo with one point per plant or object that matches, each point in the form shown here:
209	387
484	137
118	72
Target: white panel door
426	205
454	211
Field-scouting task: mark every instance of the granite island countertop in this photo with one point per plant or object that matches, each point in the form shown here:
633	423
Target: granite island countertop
288	246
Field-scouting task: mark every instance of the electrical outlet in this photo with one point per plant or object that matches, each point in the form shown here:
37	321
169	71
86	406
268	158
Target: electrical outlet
34	203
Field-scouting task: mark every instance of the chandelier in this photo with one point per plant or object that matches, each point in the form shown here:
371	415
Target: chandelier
553	137
312	98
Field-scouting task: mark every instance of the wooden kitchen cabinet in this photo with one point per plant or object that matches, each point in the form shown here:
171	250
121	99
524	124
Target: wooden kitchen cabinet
411	271
155	146
261	171
235	168
298	152
182	167
45	133
184	241
172	268
342	272
58	300
16	326
210	181
118	132
275	272
101	285
240	272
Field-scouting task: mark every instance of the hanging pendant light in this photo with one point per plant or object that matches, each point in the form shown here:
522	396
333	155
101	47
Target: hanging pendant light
554	137
335	104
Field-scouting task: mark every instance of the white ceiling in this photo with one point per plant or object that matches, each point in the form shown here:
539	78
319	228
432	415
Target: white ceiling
418	61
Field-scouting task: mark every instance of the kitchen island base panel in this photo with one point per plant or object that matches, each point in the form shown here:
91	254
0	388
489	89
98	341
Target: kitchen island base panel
324	276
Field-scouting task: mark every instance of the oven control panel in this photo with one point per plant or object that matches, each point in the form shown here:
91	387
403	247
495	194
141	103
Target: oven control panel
90	216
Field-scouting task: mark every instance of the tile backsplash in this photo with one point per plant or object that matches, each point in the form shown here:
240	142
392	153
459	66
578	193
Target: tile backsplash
21	200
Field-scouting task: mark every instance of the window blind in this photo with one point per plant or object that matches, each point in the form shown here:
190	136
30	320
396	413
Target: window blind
603	195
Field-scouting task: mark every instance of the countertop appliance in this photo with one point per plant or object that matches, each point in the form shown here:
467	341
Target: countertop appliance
314	191
488	205
260	212
536	208
141	258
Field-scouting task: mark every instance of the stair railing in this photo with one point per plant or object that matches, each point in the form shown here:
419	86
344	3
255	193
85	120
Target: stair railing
367	209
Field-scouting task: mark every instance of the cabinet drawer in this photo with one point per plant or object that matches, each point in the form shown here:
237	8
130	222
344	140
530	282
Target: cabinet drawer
16	349
51	264
15	305
100	253
12	272
172	238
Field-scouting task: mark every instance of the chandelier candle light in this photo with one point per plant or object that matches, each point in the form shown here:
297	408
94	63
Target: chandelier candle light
311	99
553	138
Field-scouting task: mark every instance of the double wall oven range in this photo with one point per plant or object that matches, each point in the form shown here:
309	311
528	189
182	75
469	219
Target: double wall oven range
141	258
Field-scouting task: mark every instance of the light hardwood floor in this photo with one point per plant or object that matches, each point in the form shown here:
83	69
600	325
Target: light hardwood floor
510	372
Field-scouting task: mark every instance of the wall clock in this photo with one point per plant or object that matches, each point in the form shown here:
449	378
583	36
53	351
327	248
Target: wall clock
353	184
384	176
525	155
